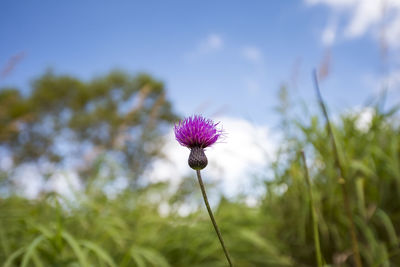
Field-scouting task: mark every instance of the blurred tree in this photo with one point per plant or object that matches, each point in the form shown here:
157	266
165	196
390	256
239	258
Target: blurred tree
64	120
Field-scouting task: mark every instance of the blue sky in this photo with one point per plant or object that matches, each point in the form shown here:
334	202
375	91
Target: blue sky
225	59
216	57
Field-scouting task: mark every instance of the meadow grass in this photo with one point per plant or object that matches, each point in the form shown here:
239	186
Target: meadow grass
282	230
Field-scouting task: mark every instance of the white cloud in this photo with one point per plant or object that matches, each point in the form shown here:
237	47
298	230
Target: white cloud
392	80
211	44
252	54
389	81
366	16
245	151
234	162
393	32
329	35
253	80
333	3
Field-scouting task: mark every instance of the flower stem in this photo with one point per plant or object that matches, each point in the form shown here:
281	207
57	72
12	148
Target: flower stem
203	191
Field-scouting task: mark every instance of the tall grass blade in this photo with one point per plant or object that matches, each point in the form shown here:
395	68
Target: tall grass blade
100	253
30	250
342	176
389	227
318	254
76	248
13	257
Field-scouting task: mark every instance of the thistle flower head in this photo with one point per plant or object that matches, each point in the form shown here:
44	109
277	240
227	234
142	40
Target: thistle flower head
197	132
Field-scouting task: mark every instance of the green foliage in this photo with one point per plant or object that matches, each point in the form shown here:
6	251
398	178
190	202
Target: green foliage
128	231
94	229
370	155
116	115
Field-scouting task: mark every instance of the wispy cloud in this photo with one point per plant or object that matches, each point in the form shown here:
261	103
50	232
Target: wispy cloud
393	32
213	42
252	81
328	37
333	3
365	16
377	83
392	80
210	44
252	54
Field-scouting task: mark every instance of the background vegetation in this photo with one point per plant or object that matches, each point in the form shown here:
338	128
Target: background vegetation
118	120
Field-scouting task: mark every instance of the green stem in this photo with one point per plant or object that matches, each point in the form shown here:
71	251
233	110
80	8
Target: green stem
203	191
317	245
342	179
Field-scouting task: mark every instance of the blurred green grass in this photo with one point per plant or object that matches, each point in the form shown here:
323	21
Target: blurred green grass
128	230
132	228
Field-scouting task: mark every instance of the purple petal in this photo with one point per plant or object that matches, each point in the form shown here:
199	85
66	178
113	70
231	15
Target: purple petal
197	131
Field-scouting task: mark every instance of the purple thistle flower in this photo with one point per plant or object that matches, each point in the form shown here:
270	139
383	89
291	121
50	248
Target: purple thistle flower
197	133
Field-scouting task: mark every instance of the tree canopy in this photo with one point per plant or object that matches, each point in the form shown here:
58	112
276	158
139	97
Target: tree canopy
65	120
